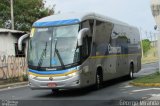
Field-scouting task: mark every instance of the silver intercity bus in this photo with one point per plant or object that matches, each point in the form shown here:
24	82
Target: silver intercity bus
76	50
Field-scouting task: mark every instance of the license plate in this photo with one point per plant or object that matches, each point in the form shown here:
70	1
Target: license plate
52	84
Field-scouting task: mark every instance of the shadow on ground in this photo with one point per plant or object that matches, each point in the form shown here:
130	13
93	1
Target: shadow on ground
83	91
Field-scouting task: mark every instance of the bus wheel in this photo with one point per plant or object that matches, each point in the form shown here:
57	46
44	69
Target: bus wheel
55	91
99	81
131	72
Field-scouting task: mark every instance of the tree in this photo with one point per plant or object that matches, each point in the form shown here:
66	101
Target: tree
25	13
146	45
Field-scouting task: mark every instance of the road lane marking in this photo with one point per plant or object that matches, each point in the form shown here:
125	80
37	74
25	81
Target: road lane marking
11	88
128	86
153	95
122	89
145	89
143	98
131	93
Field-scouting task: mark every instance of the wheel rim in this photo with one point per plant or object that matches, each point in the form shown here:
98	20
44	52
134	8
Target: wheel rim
131	73
55	90
98	81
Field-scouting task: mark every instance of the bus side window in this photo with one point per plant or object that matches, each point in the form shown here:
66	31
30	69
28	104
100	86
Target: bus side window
91	23
88	39
88	24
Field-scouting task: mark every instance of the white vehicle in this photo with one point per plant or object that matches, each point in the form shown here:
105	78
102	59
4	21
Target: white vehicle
76	50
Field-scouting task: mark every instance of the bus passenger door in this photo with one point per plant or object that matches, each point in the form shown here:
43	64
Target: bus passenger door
88	63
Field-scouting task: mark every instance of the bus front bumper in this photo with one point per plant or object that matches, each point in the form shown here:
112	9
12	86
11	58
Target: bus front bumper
58	82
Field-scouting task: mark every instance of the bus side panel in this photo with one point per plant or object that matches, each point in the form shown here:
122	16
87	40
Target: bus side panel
88	72
134	49
103	58
114	48
119	44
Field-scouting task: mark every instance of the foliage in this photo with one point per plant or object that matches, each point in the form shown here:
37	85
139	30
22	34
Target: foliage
152	78
25	77
146	45
25	13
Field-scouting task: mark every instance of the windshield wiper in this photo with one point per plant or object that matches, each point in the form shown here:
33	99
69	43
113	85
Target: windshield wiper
58	55
42	56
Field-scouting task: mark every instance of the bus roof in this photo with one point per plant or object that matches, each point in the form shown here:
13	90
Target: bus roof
72	18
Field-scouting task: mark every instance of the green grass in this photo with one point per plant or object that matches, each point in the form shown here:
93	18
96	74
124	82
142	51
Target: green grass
153	78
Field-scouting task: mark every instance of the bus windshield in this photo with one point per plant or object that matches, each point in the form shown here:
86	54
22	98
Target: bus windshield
54	46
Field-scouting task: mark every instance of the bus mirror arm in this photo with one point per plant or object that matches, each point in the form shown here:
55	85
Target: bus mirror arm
20	40
82	33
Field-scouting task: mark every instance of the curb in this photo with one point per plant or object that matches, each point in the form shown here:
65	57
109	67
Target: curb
145	84
13	85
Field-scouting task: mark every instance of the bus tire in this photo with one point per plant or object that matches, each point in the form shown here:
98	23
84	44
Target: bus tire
131	72
55	91
99	81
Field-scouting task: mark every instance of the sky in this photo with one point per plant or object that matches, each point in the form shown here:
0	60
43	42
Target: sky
134	12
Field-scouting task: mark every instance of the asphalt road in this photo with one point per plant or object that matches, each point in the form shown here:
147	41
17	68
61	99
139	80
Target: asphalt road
114	92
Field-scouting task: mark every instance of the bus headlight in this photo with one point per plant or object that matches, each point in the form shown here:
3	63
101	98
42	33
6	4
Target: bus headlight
32	76
72	74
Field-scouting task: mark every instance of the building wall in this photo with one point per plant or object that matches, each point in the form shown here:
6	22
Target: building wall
10	65
154	43
158	20
7	44
155	6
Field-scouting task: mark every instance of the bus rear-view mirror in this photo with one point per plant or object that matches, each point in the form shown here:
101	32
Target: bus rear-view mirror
82	34
20	40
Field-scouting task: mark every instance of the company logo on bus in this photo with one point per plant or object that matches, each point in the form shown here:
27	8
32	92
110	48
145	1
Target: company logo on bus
50	69
113	49
51	78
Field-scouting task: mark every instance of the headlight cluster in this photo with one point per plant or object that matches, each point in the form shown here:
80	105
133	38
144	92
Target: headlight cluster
73	74
32	76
